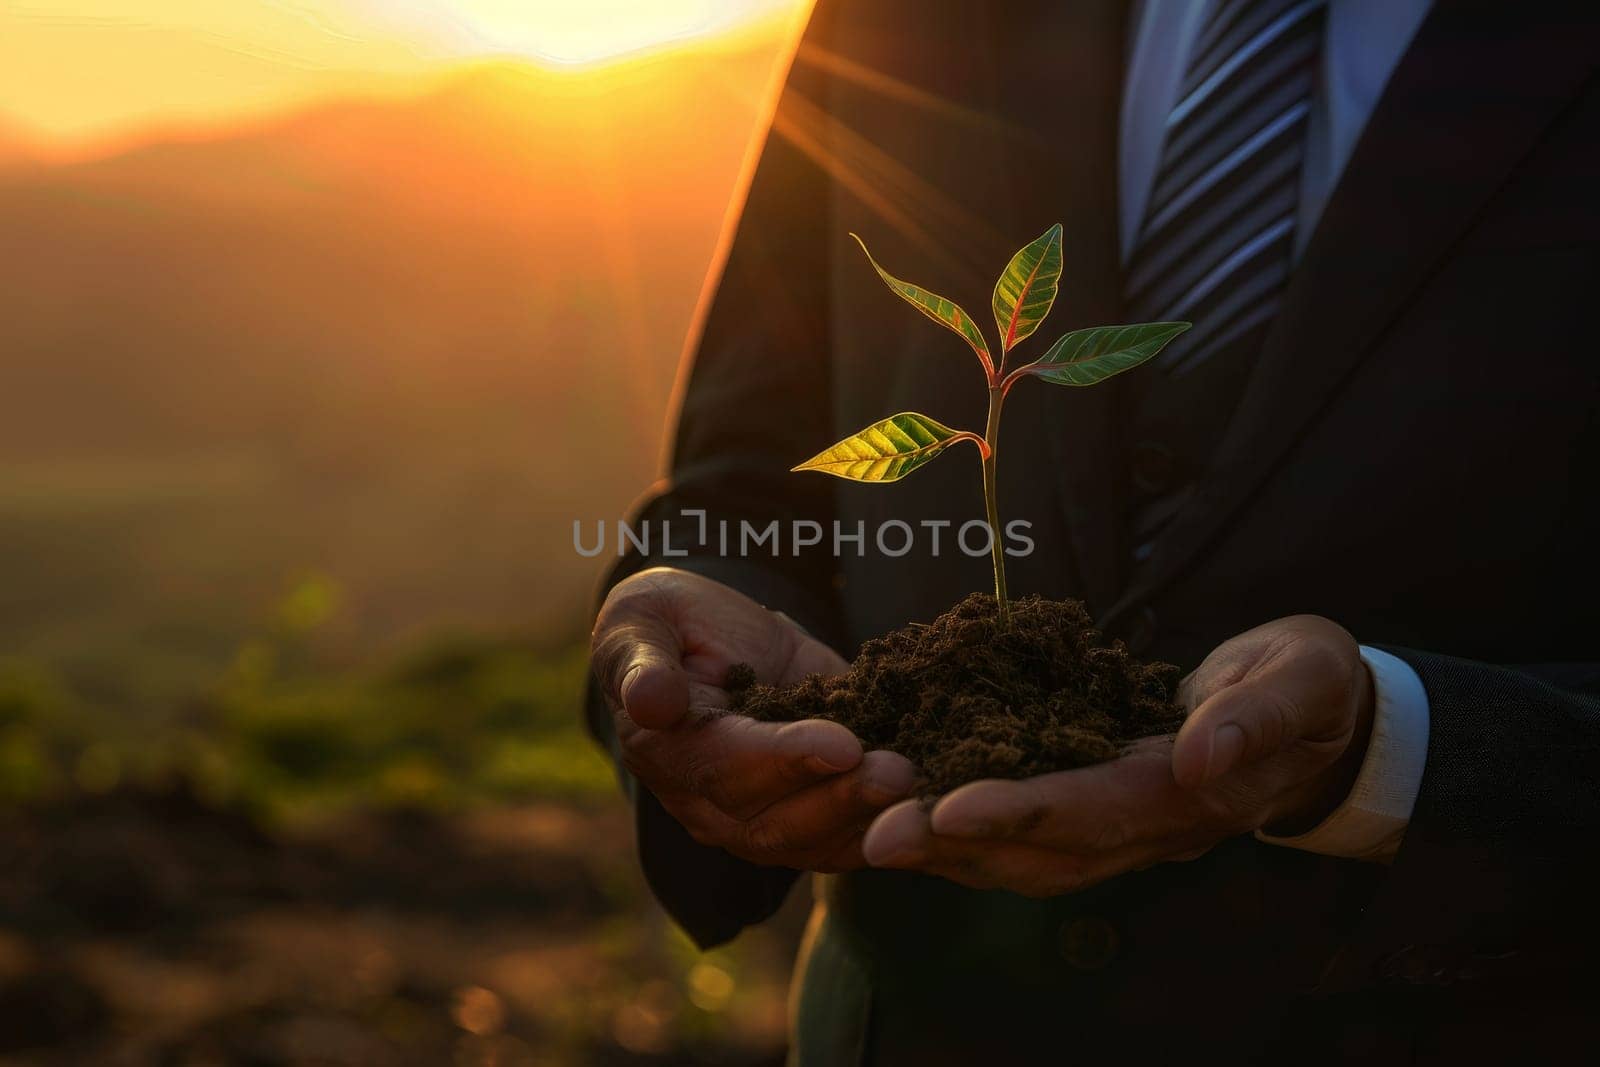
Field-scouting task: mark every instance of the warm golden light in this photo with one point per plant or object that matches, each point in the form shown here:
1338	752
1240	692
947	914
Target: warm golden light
571	31
73	72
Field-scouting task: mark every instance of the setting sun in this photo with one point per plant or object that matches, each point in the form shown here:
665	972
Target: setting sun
179	64
565	32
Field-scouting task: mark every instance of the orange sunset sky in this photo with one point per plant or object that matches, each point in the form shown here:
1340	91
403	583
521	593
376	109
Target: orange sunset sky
349	279
84	72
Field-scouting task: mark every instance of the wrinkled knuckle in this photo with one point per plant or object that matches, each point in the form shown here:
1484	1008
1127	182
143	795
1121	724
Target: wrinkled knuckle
1334	656
646	590
622	604
1270	728
640	597
793	771
1282	726
769	836
703	776
855	793
608	650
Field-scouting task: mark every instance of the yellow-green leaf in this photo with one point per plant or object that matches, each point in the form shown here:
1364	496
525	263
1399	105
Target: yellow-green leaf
1084	357
1027	288
940	310
888	450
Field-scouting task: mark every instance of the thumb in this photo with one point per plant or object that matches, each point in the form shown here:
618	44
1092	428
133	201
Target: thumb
638	660
1236	726
654	690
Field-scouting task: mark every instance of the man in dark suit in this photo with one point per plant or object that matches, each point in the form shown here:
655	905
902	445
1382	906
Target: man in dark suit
1382	219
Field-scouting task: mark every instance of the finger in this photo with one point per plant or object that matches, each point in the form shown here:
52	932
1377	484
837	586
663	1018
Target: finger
819	828
737	763
1098	809
710	826
902	839
1288	681
1235	727
823	817
898	836
638	656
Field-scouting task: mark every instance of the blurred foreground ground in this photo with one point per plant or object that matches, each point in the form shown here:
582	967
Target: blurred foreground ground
148	928
423	862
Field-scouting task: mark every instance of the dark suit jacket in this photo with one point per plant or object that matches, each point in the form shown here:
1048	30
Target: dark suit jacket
1415	457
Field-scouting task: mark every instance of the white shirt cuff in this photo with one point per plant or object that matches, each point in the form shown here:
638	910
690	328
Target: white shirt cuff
1373	818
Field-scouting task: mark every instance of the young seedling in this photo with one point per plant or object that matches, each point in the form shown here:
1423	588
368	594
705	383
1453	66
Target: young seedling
889	450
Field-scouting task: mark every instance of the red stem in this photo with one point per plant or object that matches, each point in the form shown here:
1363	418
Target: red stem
1012	378
977	439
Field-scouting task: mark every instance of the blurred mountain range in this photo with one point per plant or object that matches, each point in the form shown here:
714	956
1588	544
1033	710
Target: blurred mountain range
16	147
400	344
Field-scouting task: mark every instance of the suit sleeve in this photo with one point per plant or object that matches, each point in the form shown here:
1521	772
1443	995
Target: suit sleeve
756	401
1496	875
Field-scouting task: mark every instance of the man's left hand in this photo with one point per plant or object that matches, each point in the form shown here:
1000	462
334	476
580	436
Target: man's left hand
1277	727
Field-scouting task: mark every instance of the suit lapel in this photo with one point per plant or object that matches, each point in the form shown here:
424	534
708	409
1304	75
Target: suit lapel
1468	101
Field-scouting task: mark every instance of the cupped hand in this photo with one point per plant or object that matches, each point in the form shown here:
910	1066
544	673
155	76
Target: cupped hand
793	794
1277	728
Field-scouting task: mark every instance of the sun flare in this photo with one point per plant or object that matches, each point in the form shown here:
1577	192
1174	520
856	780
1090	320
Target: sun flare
572	32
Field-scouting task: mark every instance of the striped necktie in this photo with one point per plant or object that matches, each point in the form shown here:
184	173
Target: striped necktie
1217	240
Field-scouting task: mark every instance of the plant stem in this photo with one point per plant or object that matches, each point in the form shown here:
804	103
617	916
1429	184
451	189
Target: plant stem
991	436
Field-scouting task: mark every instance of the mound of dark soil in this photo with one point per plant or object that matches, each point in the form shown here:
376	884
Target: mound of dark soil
964	698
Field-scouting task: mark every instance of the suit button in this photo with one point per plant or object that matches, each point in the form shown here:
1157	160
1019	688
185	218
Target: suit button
1155	468
1088	942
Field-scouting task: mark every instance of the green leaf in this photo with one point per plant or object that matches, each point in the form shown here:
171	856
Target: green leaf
1084	357
936	307
1027	288
886	451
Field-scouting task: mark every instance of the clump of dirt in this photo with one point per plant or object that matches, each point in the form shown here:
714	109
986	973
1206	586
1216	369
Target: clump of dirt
964	698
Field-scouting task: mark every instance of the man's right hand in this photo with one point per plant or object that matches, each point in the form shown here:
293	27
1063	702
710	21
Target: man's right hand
797	794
